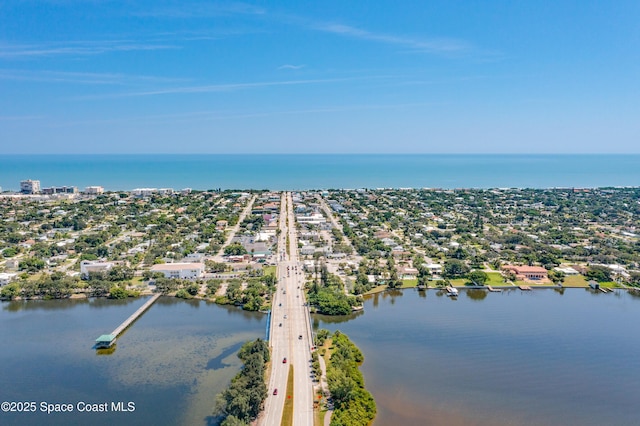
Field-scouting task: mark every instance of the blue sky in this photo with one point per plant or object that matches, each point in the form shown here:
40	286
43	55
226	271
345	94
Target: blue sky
163	76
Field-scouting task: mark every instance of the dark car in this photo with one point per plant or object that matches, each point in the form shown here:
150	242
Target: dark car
275	391
284	360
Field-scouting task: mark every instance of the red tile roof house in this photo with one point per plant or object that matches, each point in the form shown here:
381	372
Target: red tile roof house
531	273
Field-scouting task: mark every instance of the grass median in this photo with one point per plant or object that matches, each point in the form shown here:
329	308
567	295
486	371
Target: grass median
287	411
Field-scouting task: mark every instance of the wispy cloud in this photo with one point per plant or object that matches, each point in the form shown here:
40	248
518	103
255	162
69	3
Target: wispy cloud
46	76
20	117
427	45
213	88
77	48
290	67
201	10
204	116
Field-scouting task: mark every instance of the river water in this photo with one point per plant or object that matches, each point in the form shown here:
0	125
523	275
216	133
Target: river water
511	358
171	363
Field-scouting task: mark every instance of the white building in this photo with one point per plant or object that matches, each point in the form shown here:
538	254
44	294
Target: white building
94	190
185	271
567	270
313	219
30	186
434	268
6	278
88	266
144	192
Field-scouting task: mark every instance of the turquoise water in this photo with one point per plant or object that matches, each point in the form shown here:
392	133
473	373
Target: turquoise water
496	359
171	363
321	171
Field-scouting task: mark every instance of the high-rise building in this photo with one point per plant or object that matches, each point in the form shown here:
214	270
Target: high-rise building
60	190
94	190
30	186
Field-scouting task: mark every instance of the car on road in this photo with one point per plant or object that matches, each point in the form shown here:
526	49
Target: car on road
284	360
275	391
300	337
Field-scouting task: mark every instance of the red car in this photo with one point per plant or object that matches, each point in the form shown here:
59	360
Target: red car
275	391
284	360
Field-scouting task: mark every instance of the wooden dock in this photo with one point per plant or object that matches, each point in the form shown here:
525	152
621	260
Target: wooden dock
524	287
135	315
108	340
493	290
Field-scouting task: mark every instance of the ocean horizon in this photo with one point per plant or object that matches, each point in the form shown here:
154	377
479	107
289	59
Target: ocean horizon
321	171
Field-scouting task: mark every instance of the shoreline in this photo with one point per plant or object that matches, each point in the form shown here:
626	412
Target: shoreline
531	287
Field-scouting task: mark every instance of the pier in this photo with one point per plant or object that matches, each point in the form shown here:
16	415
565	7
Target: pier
108	340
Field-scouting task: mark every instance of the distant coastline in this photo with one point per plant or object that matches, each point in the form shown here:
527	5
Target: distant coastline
322	171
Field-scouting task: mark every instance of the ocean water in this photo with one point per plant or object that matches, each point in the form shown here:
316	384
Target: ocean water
321	171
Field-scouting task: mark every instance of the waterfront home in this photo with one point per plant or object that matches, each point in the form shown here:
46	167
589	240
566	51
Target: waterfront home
89	266
406	272
566	270
534	273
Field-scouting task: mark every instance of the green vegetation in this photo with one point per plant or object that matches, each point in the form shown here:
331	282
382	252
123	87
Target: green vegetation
242	401
478	277
598	273
117	292
575	281
287	411
353	404
251	298
326	294
235	249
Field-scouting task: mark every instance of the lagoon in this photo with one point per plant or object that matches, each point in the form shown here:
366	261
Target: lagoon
171	363
511	358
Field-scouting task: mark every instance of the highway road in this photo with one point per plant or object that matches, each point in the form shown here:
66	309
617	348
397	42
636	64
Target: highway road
291	336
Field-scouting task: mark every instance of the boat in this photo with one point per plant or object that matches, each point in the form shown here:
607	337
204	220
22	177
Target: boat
451	291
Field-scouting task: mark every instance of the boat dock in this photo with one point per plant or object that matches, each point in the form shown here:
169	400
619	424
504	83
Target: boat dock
493	290
451	291
107	340
524	287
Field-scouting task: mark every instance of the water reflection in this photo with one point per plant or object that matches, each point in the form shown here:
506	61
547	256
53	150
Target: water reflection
476	294
333	319
107	351
516	358
62	304
218	362
171	362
